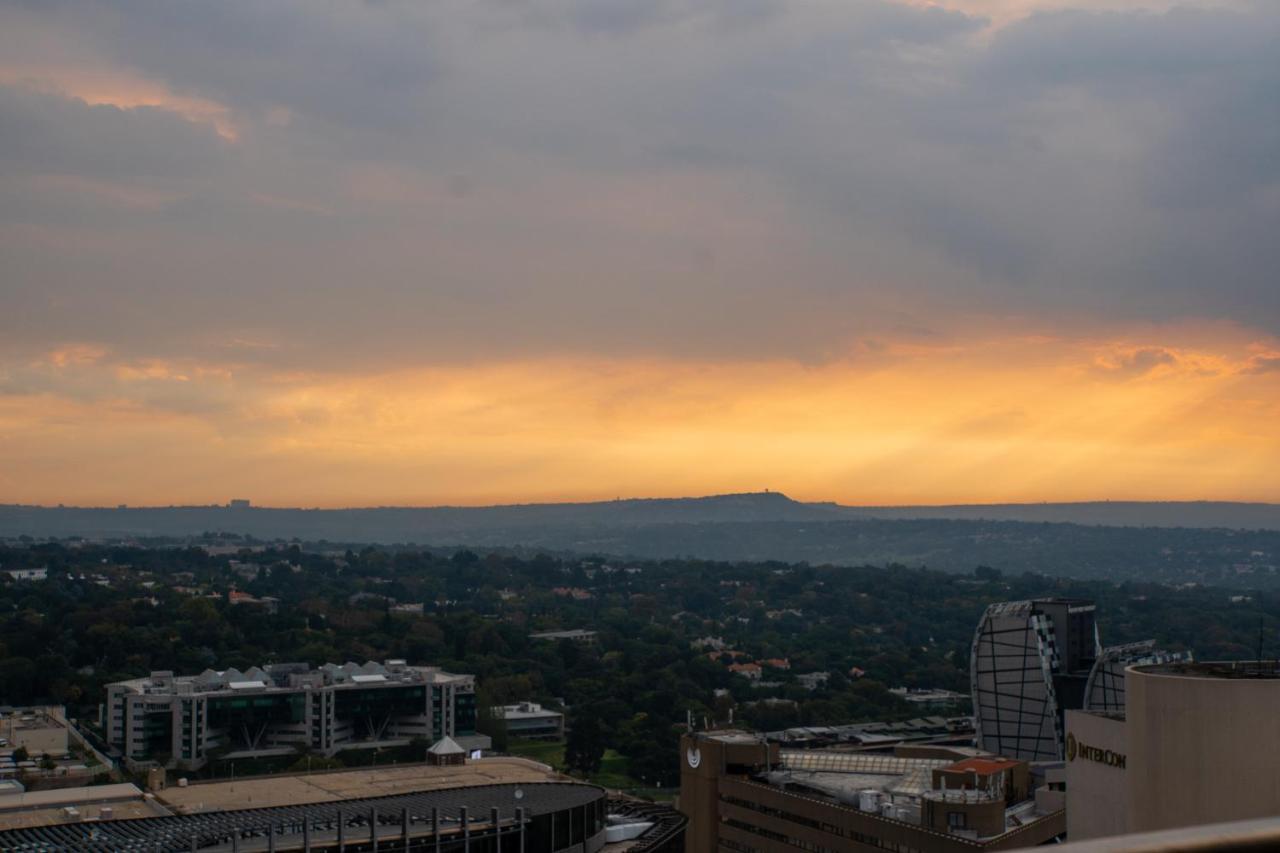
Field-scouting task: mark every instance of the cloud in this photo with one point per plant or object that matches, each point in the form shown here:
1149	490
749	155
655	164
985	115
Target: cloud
1263	364
977	419
823	170
1141	361
355	189
45	134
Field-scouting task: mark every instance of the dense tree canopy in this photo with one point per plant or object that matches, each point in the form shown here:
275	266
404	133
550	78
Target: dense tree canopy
109	612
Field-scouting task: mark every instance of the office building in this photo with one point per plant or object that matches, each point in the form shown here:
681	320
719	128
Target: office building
1030	661
531	720
742	793
1195	743
281	708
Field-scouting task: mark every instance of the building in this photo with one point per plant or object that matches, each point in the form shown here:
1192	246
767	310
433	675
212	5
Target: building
880	735
531	720
1196	743
267	603
20	808
742	793
277	709
927	697
577	635
446	753
41	574
1030	661
813	680
490	805
545	817
1034	660
1104	691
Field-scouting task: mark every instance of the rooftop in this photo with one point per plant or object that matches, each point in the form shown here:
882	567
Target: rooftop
528	711
42	808
289	677
983	766
1230	670
211	830
844	775
270	791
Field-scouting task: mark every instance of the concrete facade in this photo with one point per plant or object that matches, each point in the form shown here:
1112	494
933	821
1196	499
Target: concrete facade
531	720
742	793
1097	791
1198	744
185	721
1202	749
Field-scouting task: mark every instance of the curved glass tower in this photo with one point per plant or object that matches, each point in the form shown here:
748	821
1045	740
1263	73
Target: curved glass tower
1030	661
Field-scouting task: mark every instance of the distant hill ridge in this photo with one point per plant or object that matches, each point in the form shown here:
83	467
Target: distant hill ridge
511	523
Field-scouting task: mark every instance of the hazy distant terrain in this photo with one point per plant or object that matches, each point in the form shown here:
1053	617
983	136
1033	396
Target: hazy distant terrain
1232	544
496	524
1240	516
479	525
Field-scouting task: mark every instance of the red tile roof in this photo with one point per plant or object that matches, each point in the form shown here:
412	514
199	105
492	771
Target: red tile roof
982	766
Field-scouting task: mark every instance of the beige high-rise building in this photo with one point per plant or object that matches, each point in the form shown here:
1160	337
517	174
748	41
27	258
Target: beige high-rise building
1197	743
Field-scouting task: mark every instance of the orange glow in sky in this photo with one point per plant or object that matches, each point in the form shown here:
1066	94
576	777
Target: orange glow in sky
1020	419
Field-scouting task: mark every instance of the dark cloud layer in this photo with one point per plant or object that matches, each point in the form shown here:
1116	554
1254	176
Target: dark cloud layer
468	180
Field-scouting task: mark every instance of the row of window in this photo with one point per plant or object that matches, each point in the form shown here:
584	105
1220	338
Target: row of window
831	829
797	843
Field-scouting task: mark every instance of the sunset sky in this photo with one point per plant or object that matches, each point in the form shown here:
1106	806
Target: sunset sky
475	251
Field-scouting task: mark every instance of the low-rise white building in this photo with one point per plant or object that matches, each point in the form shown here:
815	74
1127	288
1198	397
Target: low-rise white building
531	720
40	574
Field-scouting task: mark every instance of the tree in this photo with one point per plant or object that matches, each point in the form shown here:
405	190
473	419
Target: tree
489	720
584	748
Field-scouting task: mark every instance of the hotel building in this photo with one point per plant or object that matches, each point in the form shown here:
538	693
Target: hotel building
1195	743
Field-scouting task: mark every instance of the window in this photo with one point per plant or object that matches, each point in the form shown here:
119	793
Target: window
957	820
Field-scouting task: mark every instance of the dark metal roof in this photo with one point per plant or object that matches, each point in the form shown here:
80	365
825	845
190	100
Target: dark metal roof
212	830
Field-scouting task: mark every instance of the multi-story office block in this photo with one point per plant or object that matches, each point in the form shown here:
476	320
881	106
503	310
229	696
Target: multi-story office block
1030	661
281	708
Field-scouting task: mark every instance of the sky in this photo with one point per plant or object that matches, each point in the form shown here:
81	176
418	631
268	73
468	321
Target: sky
323	253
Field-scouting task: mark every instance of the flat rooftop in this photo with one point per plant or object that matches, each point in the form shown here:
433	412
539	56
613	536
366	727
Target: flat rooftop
1241	669
38	730
45	808
329	786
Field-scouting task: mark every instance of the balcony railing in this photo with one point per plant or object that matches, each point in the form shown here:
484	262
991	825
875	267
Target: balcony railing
1246	836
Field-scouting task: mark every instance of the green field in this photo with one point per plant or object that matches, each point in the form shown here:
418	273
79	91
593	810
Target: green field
613	767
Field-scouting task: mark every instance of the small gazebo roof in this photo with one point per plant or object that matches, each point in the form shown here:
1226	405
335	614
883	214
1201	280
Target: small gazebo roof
446	746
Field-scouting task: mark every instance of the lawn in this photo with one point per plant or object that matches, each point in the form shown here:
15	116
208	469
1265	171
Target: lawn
613	767
546	751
